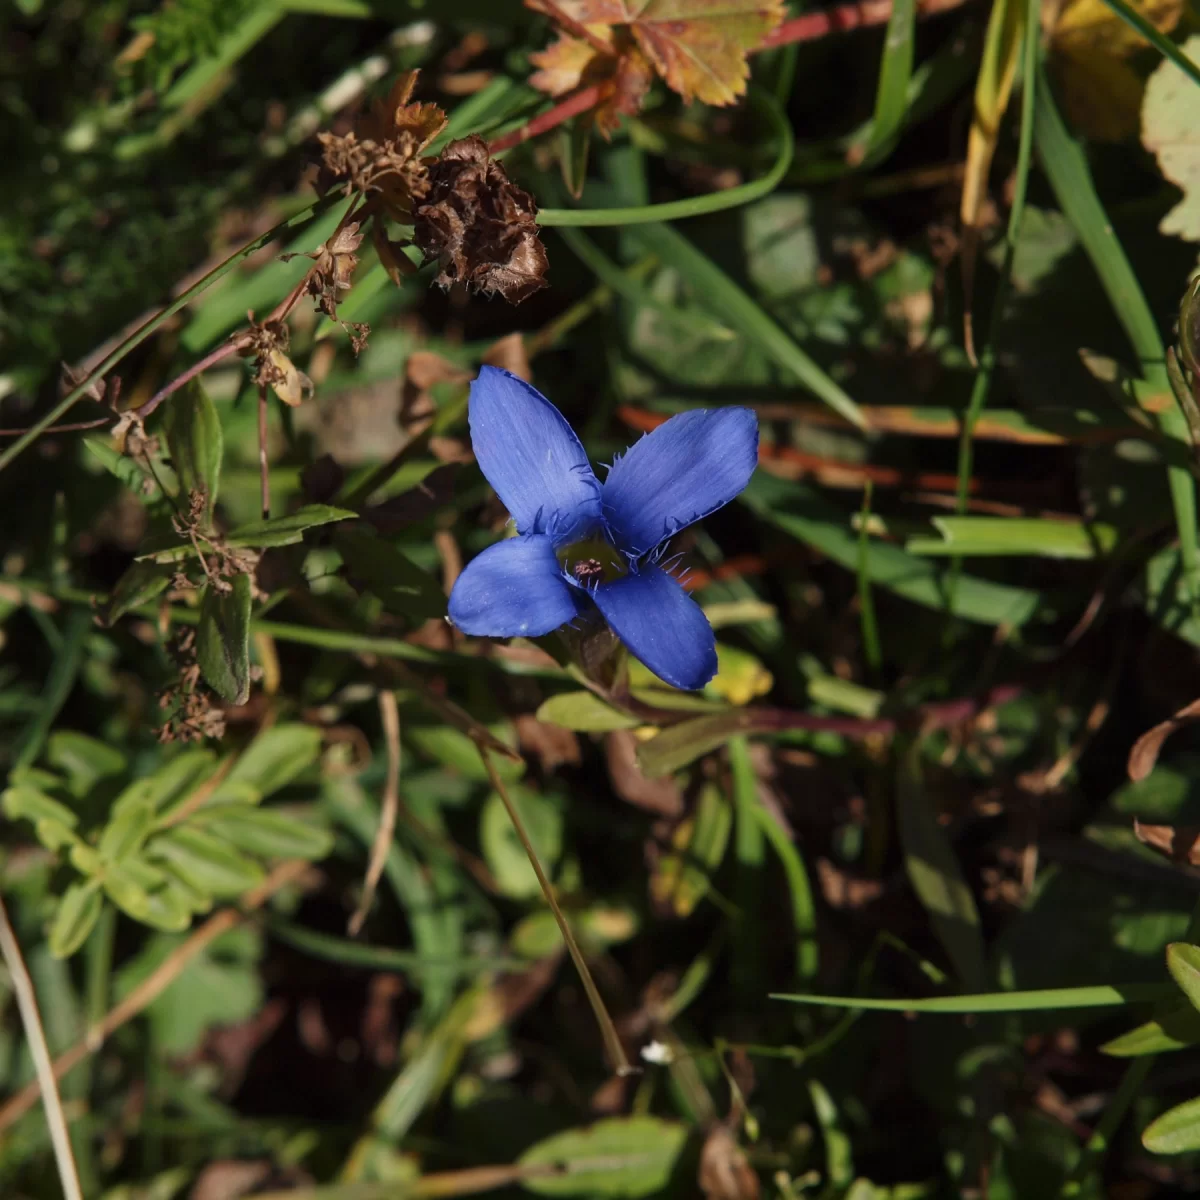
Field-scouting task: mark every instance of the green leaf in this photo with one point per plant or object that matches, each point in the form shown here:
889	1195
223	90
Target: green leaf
129	471
28	803
1169	131
180	774
223	640
1015	536
682	877
208	864
54	835
383	569
935	876
1177	1131
127	830
619	1157
264	832
219	986
271	761
1175	1028
1099	996
126	893
283	531
502	849
738	310
584	712
195	443
140	584
678	745
1183	961
76	915
455	749
85	761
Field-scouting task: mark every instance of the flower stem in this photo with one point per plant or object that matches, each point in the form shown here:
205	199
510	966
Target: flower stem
612	1043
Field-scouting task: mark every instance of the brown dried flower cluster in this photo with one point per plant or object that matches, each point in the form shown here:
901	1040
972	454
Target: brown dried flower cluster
468	216
479	226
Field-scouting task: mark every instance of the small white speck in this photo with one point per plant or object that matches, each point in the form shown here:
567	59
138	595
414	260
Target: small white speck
658	1053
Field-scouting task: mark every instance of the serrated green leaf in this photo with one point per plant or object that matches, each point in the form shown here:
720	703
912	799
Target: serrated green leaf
196	444
1177	1131
140	584
208	864
1183	961
264	832
620	1157
584	712
223	640
76	916
382	568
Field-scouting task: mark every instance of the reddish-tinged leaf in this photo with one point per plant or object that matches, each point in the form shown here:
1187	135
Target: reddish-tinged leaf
572	63
1146	749
1178	842
698	46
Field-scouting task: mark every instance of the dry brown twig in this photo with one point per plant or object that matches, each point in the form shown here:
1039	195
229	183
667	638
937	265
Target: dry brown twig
389	714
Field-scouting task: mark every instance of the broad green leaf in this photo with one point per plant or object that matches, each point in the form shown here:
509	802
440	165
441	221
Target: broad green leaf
543	819
85	761
207	863
28	803
678	745
219	986
54	835
223	639
264	832
620	1157
1176	1027
283	531
1183	961
382	568
1169	131
76	915
196	444
180	774
127	830
272	760
584	712
1177	1131
455	749
140	584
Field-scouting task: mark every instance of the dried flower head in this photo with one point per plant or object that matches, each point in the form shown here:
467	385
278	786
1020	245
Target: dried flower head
479	226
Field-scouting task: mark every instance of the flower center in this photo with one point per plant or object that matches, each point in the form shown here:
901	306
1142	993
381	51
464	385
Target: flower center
592	561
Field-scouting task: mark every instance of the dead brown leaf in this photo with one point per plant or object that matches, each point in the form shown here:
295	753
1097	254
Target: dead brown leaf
724	1172
1180	843
660	796
1147	748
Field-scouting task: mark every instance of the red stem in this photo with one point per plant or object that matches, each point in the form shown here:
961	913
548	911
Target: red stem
576	103
221	352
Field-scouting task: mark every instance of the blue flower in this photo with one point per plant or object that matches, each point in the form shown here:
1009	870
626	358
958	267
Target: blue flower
581	542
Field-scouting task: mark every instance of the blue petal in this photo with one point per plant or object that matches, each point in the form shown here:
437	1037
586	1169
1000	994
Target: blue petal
513	589
532	457
688	467
662	625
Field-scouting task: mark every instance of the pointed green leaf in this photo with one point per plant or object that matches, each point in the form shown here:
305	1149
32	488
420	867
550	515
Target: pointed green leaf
195	443
139	585
126	893
53	834
272	760
1176	1132
584	712
1175	1028
28	803
223	640
1183	961
283	531
77	913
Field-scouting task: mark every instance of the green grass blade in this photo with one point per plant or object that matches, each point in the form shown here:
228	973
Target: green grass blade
713	288
1066	166
1163	44
895	78
1098	996
693	206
